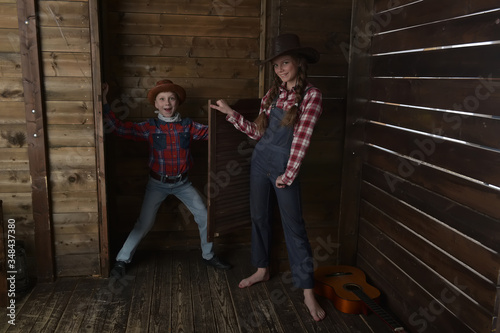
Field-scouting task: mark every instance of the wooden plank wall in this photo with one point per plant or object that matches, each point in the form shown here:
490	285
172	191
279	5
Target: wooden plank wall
428	211
209	48
65	50
66	53
326	27
15	183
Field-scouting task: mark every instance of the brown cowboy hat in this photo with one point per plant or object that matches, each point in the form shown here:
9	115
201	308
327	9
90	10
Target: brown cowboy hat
166	85
290	43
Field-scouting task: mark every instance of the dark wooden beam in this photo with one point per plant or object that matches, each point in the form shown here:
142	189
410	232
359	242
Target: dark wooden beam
99	135
36	138
357	103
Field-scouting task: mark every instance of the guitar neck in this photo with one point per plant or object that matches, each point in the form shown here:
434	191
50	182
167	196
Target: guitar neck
379	311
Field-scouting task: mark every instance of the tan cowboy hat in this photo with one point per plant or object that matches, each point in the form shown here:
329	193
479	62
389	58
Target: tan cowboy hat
166	85
290	43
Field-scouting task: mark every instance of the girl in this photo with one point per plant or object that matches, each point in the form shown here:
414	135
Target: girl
287	116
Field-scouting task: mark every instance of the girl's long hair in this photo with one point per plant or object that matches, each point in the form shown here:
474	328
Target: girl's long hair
290	117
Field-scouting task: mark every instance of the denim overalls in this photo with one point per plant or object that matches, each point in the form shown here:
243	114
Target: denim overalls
269	160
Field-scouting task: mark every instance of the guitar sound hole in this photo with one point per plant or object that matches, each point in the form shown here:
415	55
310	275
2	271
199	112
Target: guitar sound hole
352	287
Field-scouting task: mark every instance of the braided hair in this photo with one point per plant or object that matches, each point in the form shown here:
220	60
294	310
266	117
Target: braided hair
290	117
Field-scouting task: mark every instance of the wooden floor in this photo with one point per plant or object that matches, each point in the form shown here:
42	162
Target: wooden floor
175	292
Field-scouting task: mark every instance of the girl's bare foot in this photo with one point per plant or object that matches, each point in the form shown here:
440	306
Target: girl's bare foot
262	274
315	309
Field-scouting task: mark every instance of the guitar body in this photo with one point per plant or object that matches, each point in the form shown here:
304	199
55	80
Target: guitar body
337	284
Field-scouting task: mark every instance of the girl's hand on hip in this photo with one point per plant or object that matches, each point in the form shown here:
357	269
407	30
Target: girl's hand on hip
279	183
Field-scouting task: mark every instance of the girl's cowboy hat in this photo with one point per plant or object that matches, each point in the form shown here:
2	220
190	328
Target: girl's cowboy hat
166	85
290	43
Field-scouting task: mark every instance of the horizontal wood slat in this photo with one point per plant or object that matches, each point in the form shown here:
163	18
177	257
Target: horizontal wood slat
64	14
10	65
424	12
471	29
8	15
476	202
66	64
449	271
182	67
463	248
394	267
196	87
67	39
460	62
182	46
178	25
480	96
195	7
9	40
456	157
384	5
451	125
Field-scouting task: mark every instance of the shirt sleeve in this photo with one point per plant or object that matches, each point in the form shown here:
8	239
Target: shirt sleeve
310	110
246	126
125	129
199	131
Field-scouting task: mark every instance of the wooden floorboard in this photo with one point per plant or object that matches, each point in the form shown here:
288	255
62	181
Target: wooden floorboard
174	291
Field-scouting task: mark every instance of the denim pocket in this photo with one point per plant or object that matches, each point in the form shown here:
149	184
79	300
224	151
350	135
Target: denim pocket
184	139
159	141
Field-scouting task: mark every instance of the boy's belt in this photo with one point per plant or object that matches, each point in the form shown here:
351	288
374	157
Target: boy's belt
168	179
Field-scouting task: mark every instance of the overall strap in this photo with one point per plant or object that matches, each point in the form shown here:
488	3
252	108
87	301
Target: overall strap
186	121
153	122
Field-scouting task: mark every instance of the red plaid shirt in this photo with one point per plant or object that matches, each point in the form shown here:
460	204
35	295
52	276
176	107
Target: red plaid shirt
309	111
169	152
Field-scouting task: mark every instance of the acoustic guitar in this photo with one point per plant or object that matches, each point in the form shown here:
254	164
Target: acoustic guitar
347	288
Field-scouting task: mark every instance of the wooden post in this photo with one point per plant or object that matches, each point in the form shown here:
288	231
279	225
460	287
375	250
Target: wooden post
262	38
99	136
357	102
36	139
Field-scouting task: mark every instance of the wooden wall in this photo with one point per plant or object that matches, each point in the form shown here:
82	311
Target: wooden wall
210	48
424	108
66	54
15	183
65	62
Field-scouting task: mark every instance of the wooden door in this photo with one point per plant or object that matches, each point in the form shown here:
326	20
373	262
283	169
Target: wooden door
229	155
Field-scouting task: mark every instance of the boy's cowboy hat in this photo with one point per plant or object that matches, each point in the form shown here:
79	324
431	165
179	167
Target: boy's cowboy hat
166	85
290	43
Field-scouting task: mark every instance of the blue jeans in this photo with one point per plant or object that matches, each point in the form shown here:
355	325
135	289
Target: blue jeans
267	164
156	193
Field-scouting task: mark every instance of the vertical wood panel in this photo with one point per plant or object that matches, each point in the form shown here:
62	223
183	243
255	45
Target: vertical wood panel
99	137
230	152
36	138
358	87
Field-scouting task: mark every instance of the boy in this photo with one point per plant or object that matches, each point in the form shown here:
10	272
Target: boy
169	137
